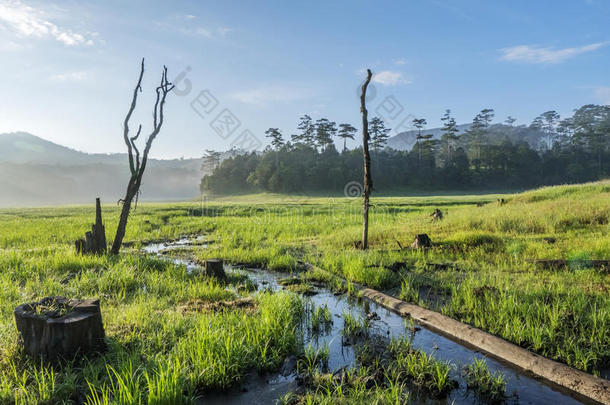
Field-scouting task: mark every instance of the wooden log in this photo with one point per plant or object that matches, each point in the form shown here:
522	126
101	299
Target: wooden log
57	329
215	268
582	384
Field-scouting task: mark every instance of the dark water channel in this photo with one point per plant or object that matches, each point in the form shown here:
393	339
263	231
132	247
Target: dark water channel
520	387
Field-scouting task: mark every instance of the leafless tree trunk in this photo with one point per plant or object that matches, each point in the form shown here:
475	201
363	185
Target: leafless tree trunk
137	166
368	182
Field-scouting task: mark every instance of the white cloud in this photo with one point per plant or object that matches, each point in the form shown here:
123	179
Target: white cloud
223	31
25	21
271	94
538	54
390	78
603	93
190	24
71	77
200	31
400	62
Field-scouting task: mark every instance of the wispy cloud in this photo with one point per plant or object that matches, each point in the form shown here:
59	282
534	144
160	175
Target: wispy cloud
603	94
71	77
538	54
390	78
25	21
190	24
272	94
400	61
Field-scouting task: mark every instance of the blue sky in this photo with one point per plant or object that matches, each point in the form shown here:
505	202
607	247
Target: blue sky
68	67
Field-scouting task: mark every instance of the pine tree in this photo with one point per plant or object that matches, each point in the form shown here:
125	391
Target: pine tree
277	141
324	132
346	131
419	123
307	135
379	133
449	138
477	134
211	160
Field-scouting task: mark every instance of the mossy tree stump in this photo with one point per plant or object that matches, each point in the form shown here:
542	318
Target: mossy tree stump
56	328
422	241
215	268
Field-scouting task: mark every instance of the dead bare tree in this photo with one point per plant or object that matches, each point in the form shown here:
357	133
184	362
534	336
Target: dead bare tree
368	182
137	166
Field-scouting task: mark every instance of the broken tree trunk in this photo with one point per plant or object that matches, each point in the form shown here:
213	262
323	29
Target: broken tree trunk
57	329
421	241
95	240
215	268
368	182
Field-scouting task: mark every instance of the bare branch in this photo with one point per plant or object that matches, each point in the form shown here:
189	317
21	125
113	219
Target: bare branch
163	90
128	117
133	144
137	168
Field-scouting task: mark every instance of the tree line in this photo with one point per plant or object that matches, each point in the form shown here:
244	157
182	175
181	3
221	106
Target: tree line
567	150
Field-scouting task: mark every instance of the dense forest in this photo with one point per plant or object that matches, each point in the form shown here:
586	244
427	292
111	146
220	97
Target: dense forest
485	156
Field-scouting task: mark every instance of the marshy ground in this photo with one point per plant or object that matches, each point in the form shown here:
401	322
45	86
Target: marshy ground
174	335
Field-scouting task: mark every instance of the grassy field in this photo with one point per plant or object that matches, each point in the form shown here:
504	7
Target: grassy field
167	346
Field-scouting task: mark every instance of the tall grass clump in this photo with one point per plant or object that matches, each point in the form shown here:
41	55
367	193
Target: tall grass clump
491	387
222	347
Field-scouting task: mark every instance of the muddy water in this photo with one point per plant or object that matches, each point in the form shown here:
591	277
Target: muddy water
520	388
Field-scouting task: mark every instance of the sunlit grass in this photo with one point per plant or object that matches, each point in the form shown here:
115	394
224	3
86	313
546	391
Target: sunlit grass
563	314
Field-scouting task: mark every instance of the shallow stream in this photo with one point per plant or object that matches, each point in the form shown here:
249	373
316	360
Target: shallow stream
520	387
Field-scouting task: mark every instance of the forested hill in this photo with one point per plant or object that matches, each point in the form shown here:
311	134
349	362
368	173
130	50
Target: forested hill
34	171
496	132
479	156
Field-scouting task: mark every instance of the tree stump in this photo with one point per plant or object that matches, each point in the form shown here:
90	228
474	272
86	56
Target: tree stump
56	328
421	241
437	215
95	240
214	268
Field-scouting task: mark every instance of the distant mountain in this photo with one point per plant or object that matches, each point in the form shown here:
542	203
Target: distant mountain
34	171
406	140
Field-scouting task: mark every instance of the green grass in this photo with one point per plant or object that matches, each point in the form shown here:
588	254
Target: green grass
386	373
178	354
419	369
321	320
490	282
491	387
354	326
